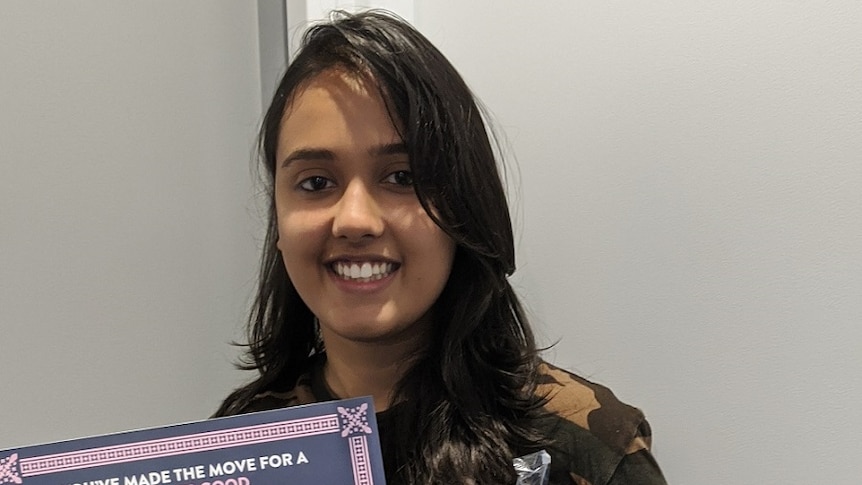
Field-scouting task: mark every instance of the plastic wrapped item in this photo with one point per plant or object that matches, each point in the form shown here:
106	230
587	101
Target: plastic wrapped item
533	469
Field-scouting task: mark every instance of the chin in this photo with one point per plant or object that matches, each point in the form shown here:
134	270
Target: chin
369	332
374	331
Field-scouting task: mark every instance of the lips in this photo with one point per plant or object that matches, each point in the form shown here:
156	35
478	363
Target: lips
363	271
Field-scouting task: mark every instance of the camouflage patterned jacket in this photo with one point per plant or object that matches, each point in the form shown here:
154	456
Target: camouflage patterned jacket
598	439
602	441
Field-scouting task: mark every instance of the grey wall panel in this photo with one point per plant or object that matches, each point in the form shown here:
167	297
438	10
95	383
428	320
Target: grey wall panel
127	217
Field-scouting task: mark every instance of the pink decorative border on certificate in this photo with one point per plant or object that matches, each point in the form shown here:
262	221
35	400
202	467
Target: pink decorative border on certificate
361	460
181	445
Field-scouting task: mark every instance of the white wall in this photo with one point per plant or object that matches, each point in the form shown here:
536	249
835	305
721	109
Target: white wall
126	247
692	214
302	13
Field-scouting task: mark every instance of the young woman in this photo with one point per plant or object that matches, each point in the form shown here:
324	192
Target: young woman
384	273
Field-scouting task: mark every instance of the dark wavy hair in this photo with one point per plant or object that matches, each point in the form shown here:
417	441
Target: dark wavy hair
472	394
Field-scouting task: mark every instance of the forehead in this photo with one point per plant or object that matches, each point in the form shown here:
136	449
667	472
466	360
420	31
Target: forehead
333	82
336	109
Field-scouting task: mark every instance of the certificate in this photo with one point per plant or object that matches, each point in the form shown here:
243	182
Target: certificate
333	442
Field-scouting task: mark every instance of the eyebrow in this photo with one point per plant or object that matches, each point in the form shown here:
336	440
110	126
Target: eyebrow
308	154
398	148
322	154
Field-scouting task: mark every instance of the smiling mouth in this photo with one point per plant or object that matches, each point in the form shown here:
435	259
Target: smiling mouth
362	272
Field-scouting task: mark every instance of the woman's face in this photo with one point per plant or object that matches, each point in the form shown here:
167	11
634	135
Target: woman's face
358	246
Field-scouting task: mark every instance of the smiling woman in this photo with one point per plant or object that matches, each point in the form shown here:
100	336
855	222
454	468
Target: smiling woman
385	268
358	246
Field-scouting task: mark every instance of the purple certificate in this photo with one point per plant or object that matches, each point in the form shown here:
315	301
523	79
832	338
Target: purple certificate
333	442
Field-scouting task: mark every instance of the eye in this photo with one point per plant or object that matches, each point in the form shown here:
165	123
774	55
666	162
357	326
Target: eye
403	178
316	183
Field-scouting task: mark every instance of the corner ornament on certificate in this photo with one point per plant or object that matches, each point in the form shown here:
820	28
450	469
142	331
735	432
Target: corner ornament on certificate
331	442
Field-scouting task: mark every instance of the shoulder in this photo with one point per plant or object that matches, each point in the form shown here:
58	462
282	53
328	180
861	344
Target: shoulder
596	437
594	408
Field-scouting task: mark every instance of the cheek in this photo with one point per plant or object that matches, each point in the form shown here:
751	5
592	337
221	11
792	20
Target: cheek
437	247
437	242
300	243
298	232
443	249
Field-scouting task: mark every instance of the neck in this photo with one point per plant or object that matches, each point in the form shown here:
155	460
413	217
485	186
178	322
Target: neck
356	369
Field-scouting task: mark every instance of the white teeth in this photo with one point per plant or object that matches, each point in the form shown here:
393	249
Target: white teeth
362	271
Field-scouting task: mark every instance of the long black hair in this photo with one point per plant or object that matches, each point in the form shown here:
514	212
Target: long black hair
472	400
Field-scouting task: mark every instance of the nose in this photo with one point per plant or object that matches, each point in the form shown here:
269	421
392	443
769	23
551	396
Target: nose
357	214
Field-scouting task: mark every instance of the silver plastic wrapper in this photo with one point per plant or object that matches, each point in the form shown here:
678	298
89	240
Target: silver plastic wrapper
533	469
